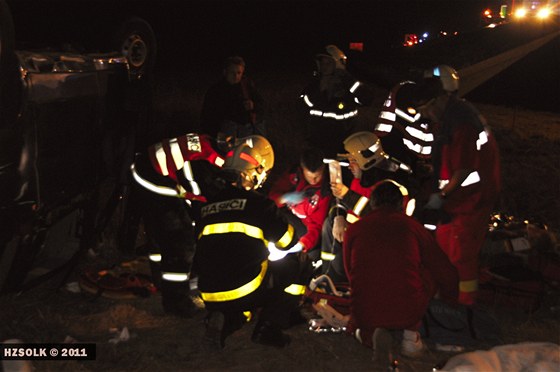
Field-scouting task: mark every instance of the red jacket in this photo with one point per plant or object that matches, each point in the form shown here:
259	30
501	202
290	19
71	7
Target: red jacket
465	143
312	210
394	267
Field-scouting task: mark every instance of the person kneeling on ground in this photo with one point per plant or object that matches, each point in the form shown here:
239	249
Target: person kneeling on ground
394	267
236	273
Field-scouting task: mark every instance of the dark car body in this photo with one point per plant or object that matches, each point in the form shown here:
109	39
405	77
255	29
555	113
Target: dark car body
68	121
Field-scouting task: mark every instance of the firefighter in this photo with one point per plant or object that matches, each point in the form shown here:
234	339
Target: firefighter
170	178
242	259
304	196
369	165
331	102
466	178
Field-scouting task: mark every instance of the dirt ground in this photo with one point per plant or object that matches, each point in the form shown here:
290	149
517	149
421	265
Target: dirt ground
158	342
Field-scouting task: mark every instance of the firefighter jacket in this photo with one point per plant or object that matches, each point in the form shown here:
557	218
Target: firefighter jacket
402	131
464	142
169	167
355	204
234	230
395	267
312	210
335	97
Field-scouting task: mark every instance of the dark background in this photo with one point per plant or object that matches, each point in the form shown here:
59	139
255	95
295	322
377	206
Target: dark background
285	34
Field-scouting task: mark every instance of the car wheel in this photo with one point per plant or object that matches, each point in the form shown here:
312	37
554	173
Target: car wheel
137	42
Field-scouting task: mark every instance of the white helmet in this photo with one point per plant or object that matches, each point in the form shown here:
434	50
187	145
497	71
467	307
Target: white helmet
335	54
253	158
447	75
365	148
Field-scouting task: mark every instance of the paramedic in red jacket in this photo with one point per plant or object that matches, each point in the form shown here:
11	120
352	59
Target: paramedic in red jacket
395	267
466	175
304	193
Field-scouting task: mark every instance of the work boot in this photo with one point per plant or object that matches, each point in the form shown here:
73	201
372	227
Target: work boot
214	339
382	342
412	345
265	333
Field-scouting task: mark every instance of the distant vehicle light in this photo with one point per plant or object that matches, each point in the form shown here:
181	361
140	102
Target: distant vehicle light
543	13
425	35
488	13
521	12
491	25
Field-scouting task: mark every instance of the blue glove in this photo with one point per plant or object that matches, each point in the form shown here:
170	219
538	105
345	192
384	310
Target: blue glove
435	201
293	197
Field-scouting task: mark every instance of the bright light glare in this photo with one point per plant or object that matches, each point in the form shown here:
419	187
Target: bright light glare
491	25
425	35
521	12
543	13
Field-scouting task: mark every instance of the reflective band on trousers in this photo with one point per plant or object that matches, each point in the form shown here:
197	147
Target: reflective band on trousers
468	285
471	179
327	256
249	230
295	289
242	291
175	277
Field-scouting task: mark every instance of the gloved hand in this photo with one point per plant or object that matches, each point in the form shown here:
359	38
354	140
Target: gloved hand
292	198
435	201
339	227
276	254
339	190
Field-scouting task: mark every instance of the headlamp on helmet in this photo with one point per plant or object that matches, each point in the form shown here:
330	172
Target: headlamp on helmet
252	158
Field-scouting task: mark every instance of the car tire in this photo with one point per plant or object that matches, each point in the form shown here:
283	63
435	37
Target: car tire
137	42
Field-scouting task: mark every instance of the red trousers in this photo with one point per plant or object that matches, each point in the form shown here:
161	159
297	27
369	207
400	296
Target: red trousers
461	240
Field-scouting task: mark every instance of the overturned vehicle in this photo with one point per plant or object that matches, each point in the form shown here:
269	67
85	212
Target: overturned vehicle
68	124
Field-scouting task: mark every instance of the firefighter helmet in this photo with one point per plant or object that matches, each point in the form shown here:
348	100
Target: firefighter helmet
335	54
447	75
365	148
252	158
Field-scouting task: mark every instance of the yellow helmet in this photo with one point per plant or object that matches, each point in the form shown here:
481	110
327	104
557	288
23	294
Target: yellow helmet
365	148
253	158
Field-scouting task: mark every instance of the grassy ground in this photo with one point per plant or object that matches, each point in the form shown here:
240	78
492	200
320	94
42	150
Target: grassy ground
530	160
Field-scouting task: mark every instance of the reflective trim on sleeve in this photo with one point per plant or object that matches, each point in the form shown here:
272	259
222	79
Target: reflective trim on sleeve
295	289
384	128
471	179
355	86
468	285
287	238
242	291
187	171
411	119
360	205
417	148
161	158
175	277
176	153
161	190
350	218
417	133
387	115
482	139
327	256
155	257
307	101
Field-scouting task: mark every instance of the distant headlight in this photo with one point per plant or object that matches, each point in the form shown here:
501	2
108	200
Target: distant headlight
543	13
521	12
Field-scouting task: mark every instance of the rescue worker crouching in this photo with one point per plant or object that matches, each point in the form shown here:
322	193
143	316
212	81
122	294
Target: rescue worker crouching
236	274
170	179
369	165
